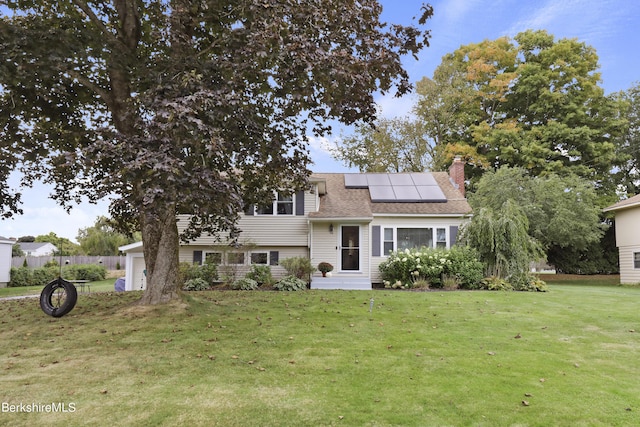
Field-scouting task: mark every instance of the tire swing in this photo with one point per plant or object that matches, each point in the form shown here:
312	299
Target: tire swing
58	297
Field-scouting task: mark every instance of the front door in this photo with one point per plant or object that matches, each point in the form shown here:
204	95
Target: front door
350	248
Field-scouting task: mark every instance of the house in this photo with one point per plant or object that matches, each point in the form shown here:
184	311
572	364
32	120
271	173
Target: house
350	220
627	218
37	248
6	246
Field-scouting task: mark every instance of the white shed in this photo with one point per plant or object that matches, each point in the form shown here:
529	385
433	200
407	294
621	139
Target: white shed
5	261
135	274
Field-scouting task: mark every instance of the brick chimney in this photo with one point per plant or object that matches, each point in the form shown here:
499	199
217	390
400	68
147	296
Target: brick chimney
456	173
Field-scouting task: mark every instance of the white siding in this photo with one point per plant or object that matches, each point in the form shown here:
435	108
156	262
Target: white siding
186	255
267	230
5	261
628	242
324	247
628	273
628	227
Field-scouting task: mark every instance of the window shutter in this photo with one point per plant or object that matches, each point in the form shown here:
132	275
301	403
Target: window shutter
453	235
249	210
197	257
375	238
273	257
300	202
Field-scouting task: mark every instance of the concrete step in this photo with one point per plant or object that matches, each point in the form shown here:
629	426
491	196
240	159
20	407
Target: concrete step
344	283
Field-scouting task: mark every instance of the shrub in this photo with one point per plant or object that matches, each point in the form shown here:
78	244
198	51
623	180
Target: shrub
465	267
24	276
20	276
403	269
261	274
291	283
529	283
325	267
494	283
299	267
207	272
197	284
244	284
90	272
51	263
395	285
42	276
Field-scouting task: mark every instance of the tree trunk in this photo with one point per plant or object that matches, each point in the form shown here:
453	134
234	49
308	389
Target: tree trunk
161	245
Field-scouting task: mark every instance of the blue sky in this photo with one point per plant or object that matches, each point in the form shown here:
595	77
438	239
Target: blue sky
612	27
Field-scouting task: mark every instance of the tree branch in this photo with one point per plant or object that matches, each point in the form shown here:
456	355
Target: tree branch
101	92
94	18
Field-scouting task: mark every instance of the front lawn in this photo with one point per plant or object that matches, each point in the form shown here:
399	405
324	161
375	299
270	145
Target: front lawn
98	286
477	358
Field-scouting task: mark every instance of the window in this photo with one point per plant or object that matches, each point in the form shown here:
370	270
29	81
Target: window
399	238
213	258
259	258
284	204
636	260
387	242
235	258
441	238
281	205
409	238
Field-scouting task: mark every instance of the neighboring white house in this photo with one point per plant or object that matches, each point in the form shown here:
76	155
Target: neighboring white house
37	248
351	221
627	217
6	246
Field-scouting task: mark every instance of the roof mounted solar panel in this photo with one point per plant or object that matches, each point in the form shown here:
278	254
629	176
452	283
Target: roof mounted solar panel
355	180
407	193
378	179
423	179
401	179
382	193
397	188
431	193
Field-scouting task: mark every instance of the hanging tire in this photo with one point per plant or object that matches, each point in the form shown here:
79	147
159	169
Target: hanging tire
58	297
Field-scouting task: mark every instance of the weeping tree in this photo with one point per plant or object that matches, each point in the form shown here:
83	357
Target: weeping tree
180	106
501	239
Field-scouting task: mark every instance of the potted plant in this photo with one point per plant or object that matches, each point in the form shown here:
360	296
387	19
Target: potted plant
324	268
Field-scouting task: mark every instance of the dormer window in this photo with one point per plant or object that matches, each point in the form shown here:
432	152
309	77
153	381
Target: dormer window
281	205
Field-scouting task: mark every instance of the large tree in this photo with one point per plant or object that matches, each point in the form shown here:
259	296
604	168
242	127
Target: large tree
196	107
628	142
562	212
103	238
389	145
531	101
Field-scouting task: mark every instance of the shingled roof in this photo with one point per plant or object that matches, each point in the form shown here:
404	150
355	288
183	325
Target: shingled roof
342	202
624	204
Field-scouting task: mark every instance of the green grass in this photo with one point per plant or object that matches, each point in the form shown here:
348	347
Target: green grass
320	358
98	286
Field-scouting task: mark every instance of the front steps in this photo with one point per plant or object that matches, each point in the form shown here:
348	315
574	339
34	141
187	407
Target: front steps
344	283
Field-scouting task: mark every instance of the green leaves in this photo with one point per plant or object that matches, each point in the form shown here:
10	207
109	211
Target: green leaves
182	107
531	102
501	238
561	211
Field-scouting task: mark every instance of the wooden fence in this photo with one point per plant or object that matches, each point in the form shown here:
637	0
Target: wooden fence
109	262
